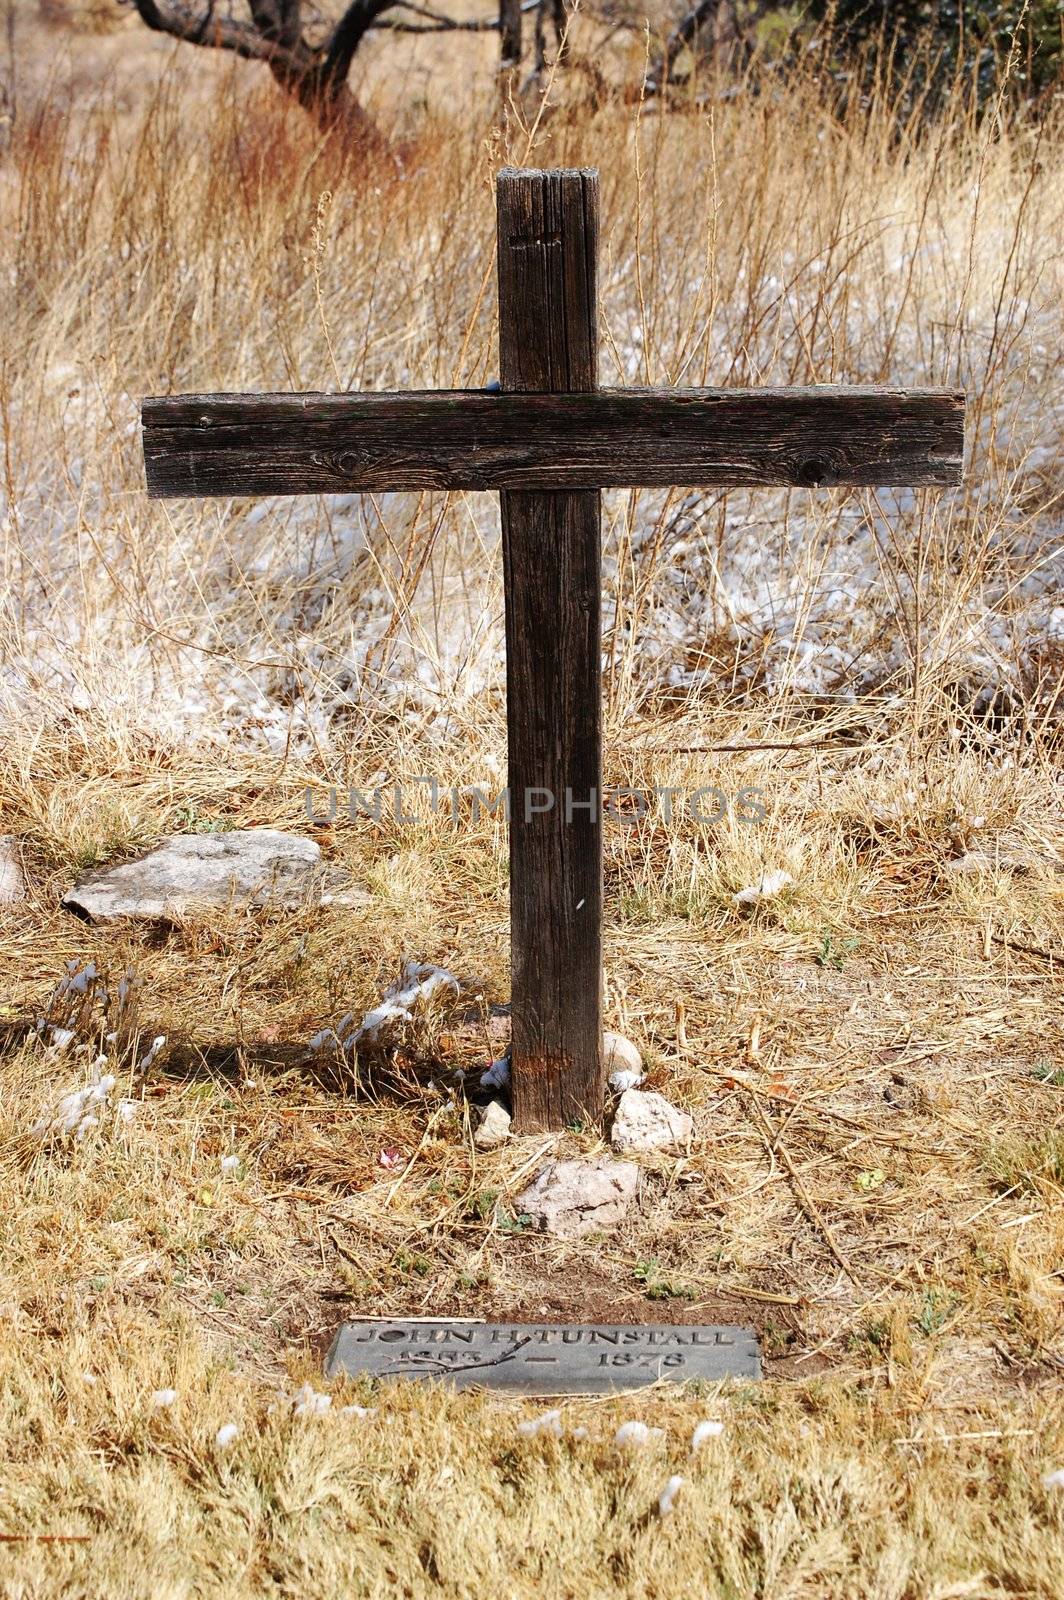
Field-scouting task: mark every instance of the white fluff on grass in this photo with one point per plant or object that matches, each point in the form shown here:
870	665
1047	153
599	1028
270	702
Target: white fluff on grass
127	1110
549	1422
667	1497
162	1398
227	1434
74	1114
704	1431
309	1403
766	888
358	1411
385	1023
625	1079
147	1059
636	1434
230	1163
1054	1480
419	983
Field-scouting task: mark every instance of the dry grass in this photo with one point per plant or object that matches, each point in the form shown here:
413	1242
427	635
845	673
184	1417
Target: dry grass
874	1059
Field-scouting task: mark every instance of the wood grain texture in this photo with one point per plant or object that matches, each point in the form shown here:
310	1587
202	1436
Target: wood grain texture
548	341
466	439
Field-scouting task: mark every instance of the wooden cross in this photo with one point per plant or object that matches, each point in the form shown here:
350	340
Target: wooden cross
549	442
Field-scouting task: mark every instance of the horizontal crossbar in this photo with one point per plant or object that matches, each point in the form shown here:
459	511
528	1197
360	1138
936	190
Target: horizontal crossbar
232	444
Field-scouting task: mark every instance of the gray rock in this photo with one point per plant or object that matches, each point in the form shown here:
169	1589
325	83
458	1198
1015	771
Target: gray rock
571	1198
12	883
494	1126
976	863
647	1121
190	872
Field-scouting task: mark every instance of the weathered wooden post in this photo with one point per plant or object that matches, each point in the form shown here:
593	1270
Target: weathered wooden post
548	343
549	443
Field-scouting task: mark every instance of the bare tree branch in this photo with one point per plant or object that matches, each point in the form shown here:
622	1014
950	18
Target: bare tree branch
441	23
348	35
315	74
221	33
451	25
438	21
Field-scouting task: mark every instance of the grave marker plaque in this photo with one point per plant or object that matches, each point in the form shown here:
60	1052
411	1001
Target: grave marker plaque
542	1358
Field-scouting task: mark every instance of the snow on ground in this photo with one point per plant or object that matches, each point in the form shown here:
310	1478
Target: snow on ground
269	623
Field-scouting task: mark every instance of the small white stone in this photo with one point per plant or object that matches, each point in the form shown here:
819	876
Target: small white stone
647	1121
227	1434
619	1055
494	1126
162	1398
704	1431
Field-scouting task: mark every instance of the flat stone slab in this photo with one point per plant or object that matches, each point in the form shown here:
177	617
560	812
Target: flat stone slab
542	1358
190	872
12	883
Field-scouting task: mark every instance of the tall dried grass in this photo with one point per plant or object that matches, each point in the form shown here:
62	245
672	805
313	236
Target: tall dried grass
871	1059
